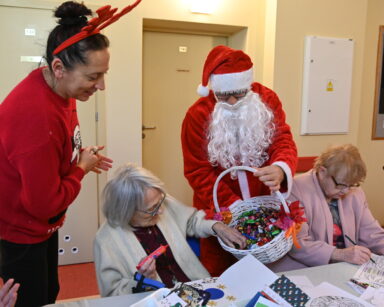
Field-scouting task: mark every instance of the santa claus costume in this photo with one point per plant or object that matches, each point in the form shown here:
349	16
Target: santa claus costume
217	135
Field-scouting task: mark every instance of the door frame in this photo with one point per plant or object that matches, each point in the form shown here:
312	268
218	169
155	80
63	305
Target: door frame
237	35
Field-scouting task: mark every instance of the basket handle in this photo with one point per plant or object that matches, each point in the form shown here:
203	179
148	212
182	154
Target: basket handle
242	168
283	201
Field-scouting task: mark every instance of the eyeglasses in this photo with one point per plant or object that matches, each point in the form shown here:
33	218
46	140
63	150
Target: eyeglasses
342	186
153	211
226	95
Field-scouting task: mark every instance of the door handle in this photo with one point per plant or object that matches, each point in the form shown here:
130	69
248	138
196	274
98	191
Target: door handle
143	127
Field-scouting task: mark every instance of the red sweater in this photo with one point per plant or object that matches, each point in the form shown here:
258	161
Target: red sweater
39	149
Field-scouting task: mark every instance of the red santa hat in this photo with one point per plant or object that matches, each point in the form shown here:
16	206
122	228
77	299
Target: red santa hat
226	70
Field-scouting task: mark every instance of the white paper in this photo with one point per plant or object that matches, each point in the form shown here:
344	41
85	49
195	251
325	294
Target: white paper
374	296
372	273
301	281
355	287
172	300
153	299
228	299
246	277
327	294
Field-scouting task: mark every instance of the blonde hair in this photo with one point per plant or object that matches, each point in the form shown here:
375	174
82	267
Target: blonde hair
343	162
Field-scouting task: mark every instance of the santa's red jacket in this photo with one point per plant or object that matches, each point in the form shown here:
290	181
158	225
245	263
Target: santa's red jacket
202	175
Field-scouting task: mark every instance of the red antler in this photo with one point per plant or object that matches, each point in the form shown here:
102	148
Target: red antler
106	16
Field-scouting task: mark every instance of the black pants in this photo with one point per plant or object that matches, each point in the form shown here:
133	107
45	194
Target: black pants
34	266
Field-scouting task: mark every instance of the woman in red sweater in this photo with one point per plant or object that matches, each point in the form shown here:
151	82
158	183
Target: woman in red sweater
42	161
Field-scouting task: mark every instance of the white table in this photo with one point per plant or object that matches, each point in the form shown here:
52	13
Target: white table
337	274
113	301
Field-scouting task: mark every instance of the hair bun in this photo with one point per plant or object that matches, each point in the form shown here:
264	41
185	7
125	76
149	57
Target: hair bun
72	13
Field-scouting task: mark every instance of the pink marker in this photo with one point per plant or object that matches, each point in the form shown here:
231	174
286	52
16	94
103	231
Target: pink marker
153	255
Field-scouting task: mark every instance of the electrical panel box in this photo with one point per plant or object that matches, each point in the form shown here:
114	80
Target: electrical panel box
327	83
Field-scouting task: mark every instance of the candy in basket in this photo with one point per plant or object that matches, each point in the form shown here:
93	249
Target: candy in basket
269	224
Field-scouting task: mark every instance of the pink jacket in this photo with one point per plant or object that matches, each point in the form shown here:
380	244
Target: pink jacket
315	236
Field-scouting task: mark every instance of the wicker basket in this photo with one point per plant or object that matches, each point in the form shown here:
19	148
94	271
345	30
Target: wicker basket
270	251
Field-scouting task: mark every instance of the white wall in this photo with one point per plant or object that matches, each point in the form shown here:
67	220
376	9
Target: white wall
356	19
372	150
328	18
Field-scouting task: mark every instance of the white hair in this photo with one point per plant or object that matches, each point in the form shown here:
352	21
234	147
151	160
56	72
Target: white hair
125	193
240	134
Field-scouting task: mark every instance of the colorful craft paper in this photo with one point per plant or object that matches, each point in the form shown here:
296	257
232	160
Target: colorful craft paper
289	291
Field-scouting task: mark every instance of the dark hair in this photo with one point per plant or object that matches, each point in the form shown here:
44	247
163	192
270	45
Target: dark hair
72	17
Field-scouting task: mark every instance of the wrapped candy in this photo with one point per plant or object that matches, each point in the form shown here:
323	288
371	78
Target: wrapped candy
257	226
263	224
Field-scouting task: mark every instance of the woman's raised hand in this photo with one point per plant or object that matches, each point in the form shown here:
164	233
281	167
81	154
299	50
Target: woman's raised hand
92	160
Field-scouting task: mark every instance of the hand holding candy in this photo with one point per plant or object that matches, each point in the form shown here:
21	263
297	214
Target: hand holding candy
153	255
229	236
148	268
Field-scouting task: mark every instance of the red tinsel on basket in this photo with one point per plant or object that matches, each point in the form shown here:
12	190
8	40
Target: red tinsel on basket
224	215
292	221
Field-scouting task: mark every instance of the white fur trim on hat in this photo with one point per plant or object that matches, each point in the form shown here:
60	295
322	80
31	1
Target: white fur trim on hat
203	91
232	81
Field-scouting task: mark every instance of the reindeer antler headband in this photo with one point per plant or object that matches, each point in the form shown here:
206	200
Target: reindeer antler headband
106	16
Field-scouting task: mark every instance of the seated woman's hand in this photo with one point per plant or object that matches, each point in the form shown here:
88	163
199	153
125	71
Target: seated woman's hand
148	268
354	254
229	235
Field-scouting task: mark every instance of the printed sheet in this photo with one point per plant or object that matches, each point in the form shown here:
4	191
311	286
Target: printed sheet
372	273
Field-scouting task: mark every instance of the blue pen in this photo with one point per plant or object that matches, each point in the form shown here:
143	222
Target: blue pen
354	243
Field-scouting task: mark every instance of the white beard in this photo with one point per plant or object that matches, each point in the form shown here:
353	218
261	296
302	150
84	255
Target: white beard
240	134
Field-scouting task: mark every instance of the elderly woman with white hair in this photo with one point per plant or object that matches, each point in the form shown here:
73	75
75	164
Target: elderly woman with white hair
140	218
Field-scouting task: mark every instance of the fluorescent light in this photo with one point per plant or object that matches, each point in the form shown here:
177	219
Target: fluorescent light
203	6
